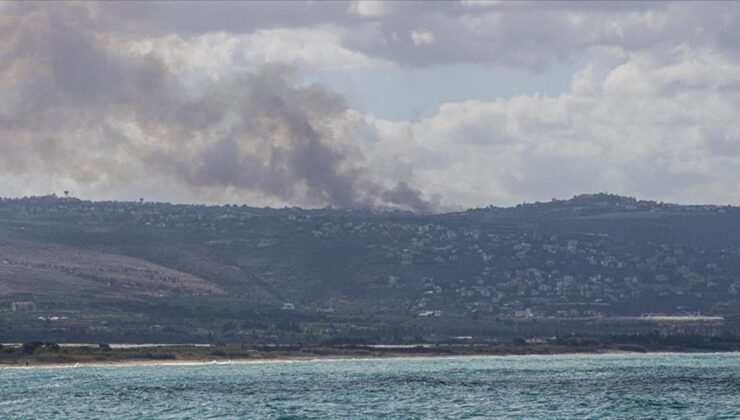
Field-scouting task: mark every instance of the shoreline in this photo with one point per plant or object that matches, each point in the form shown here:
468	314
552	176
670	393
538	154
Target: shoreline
340	358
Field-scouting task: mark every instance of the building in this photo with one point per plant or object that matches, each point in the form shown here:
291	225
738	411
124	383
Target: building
22	306
526	313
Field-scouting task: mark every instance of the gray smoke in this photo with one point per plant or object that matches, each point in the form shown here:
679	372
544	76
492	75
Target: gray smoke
402	194
77	105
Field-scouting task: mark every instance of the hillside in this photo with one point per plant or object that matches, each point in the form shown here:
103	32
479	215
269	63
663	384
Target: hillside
106	268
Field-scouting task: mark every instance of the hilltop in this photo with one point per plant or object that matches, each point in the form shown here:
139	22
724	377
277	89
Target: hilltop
128	270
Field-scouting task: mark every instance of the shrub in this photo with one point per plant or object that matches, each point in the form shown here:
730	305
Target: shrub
52	347
30	348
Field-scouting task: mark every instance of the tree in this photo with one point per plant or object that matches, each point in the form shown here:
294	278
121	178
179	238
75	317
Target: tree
54	347
30	348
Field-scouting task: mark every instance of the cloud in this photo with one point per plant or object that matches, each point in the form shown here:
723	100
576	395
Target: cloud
661	126
208	102
422	37
218	54
371	8
85	105
534	35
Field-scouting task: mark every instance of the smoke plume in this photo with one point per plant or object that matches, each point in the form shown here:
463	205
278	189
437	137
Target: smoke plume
78	103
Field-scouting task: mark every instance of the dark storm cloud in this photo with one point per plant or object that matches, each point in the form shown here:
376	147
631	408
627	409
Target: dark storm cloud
78	104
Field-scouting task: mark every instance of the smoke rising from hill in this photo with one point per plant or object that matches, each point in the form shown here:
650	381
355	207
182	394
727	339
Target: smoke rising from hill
79	103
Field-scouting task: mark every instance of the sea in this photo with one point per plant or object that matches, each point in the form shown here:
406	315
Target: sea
614	386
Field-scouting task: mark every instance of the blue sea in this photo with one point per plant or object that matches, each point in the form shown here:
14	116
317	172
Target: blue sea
675	386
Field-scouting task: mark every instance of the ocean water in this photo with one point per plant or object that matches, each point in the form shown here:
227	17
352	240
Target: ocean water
688	386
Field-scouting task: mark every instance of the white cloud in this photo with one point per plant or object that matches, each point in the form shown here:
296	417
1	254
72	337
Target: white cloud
538	35
480	3
535	35
220	53
661	128
422	37
651	112
371	8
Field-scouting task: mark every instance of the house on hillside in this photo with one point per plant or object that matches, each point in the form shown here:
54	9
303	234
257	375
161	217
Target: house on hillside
526	313
22	306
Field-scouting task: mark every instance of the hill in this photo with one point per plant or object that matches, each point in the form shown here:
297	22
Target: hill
124	271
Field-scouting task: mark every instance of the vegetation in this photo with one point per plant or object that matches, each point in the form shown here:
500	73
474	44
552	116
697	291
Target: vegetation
51	353
80	271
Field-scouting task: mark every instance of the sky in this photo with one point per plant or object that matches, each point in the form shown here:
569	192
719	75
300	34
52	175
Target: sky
424	106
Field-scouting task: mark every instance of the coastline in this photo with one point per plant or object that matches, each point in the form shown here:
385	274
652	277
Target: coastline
297	358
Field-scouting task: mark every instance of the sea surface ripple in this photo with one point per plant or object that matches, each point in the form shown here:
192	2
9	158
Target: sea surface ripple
685	386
